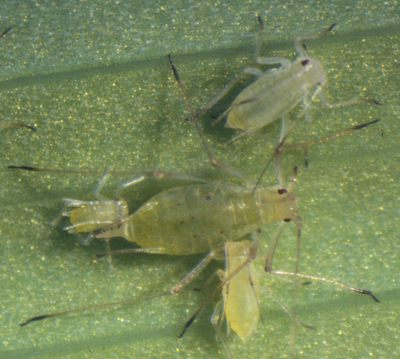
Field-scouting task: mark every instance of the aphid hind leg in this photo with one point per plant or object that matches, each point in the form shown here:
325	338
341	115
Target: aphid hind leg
329	281
214	161
174	290
247	71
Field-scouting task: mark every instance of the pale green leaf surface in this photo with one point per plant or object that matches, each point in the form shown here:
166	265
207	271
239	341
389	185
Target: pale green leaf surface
93	77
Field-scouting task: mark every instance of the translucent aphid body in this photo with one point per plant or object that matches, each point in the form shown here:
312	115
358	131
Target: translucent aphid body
199	218
278	90
240	294
91	215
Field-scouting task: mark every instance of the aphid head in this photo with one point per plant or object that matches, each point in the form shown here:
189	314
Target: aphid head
312	72
287	207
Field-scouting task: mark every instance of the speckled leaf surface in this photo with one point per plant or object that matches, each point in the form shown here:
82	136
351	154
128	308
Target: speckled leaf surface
94	79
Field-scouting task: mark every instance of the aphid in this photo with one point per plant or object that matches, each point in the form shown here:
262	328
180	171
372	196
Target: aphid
86	216
240	292
198	218
276	92
201	218
241	303
241	307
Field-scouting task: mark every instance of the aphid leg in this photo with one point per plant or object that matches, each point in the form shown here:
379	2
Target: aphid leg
286	309
127	184
57	219
97	194
329	105
308	143
248	132
321	95
272	247
214	161
283	146
269	261
302	51
174	290
100	187
329	281
295	218
216	320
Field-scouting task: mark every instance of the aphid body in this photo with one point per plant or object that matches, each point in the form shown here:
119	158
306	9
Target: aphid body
240	294
274	94
277	91
198	218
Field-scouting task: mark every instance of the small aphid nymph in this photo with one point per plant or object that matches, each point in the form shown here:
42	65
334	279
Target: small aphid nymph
241	293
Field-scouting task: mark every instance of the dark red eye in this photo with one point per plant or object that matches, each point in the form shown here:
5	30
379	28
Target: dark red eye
305	62
287	220
282	191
